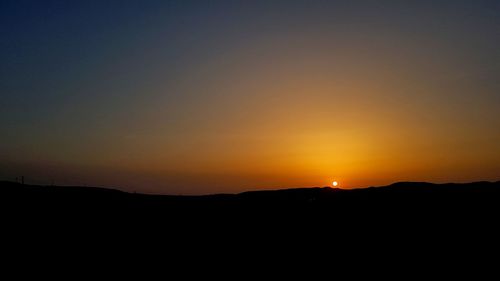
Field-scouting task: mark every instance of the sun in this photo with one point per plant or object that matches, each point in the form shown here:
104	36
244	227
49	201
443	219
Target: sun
335	183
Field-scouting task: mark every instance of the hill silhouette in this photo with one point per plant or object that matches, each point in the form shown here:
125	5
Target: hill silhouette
406	197
421	216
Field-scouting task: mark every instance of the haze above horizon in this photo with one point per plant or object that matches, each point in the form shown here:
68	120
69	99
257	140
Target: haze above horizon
196	97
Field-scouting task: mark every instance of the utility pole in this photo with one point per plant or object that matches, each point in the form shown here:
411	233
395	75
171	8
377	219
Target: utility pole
22	180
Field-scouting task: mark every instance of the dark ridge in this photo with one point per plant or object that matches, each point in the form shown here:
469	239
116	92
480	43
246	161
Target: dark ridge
13	188
382	213
7	186
407	192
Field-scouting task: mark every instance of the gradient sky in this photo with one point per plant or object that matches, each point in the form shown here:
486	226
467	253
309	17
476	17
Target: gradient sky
194	97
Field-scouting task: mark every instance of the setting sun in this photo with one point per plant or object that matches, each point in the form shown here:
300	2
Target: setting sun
207	97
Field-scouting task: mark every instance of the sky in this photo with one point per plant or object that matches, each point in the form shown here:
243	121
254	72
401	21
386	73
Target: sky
197	97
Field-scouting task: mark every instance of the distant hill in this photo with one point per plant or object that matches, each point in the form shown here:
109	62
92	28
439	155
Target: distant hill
413	193
406	212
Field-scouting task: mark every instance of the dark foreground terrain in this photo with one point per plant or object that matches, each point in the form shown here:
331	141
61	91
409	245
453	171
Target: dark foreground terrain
397	202
397	220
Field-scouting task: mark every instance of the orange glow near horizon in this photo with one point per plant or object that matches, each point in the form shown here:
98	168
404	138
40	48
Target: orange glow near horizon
201	98
262	128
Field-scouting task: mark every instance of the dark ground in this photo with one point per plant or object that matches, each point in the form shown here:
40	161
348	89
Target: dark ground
400	203
427	223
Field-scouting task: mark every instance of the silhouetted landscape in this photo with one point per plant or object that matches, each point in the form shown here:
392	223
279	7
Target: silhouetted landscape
410	199
221	100
421	216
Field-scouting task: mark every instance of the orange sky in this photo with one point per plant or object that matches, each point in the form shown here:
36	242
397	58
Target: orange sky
194	100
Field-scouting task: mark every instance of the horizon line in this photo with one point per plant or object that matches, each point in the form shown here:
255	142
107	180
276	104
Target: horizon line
117	189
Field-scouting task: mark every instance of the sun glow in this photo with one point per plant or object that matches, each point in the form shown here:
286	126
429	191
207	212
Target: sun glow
335	183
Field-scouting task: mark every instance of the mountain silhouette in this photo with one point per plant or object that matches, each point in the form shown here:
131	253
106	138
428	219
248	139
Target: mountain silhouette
401	197
421	216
